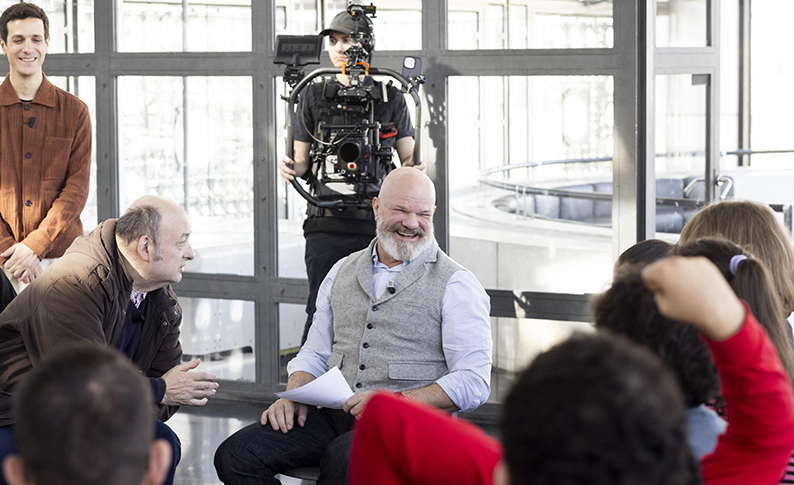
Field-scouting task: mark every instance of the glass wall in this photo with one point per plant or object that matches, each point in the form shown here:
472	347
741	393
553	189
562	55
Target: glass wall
398	25
190	140
221	332
84	87
291	320
764	171
529	24
680	149
681	23
511	141
187	26
71	24
517	341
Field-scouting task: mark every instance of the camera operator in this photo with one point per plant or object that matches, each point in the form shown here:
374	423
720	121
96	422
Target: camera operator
332	234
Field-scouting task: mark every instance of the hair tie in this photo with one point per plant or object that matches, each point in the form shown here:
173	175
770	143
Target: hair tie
735	260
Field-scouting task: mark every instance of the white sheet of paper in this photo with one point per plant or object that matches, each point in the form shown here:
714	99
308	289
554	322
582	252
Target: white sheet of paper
330	390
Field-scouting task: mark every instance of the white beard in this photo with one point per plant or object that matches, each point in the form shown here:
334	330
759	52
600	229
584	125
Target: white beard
399	249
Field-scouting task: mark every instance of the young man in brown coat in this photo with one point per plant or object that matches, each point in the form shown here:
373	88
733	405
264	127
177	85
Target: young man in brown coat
45	151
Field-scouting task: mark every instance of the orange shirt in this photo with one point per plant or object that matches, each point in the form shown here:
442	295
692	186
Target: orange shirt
45	166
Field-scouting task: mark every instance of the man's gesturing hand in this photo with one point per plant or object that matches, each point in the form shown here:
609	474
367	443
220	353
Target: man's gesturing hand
281	415
189	388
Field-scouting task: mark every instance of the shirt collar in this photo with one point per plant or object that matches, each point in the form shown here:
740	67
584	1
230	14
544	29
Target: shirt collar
46	94
136	297
376	262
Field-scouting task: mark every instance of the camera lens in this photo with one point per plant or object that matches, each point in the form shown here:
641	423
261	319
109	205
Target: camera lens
349	152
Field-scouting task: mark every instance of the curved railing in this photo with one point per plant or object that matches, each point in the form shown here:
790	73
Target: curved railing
525	189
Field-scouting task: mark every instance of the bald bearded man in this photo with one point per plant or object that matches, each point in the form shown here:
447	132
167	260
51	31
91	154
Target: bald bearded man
399	315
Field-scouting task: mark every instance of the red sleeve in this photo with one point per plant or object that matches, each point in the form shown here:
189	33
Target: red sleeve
760	410
401	442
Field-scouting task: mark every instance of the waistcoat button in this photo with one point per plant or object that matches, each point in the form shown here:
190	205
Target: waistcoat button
27	107
358	385
28	155
370	326
362	367
28	203
374	309
366	345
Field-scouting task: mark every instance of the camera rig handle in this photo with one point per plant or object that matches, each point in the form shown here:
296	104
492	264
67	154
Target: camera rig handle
408	86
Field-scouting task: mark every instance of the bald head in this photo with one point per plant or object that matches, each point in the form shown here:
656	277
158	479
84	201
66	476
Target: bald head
153	236
145	216
406	181
404	214
162	205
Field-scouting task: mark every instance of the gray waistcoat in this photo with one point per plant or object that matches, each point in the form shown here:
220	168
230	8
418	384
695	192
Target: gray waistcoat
395	342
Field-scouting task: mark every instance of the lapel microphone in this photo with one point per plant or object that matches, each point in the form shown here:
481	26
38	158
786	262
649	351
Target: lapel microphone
390	286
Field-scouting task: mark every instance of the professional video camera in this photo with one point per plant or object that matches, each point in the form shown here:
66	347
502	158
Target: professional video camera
346	153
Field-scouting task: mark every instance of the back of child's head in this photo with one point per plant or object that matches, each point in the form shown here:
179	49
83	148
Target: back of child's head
753	226
627	308
600	410
751	281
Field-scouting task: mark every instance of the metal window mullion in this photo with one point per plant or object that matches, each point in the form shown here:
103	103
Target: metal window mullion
265	198
434	148
745	79
107	179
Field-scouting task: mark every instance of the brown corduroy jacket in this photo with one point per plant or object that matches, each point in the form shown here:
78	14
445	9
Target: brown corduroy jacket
45	167
83	297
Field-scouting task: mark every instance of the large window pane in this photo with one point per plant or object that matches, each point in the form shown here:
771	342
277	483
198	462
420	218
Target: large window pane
768	174
512	139
204	26
202	161
291	206
680	149
517	341
291	319
84	87
71	24
771	78
398	24
533	24
681	23
221	332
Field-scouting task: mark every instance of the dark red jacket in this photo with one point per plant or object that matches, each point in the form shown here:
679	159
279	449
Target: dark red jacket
83	297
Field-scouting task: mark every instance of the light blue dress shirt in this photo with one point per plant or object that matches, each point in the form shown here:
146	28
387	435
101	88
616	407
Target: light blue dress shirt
465	333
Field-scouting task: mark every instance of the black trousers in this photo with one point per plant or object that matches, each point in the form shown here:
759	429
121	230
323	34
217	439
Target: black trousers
323	250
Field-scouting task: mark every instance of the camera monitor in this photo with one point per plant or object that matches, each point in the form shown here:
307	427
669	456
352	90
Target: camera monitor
298	50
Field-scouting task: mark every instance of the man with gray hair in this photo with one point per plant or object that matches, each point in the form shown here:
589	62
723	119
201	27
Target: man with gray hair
399	315
112	287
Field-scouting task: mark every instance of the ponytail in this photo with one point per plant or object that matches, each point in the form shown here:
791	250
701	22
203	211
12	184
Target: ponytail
753	284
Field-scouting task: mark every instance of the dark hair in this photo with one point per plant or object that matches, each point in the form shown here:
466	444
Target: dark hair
596	409
753	284
143	220
84	416
21	11
753	226
644	252
628	308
